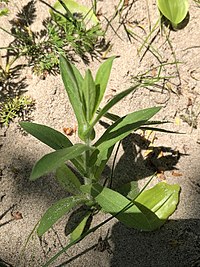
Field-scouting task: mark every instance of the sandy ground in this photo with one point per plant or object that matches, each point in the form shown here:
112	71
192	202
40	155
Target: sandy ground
177	243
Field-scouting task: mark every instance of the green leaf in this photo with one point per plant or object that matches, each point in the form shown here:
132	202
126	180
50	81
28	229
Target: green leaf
119	130
56	211
124	126
129	190
161	199
47	135
75	7
77	232
102	161
101	80
4	12
174	10
89	92
55	159
112	102
148	212
73	81
124	210
67	179
52	138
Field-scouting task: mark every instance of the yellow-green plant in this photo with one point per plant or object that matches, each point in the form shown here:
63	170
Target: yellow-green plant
4	9
15	107
174	10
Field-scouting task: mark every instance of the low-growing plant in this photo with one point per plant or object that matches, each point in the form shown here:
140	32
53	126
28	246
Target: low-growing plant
12	108
145	210
4	7
174	10
65	34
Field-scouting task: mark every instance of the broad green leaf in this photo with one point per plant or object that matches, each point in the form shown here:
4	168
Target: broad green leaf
124	210
73	81
129	190
101	80
161	199
89	92
67	179
53	160
77	232
120	129
74	8
56	211
174	10
47	135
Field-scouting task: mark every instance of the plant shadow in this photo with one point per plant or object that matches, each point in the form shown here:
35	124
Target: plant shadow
11	85
134	165
180	26
177	243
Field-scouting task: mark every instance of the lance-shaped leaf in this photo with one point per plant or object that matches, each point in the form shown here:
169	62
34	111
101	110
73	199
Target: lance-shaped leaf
173	10
53	160
101	80
67	179
124	126
98	167
53	139
112	102
47	135
77	232
73	81
89	93
119	130
56	211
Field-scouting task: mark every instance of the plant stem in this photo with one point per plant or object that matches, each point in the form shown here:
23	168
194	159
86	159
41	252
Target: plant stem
87	179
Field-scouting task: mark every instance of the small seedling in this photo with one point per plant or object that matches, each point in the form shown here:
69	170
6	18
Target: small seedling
12	108
4	7
145	210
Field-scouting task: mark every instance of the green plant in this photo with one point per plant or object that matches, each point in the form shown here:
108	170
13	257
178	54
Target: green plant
18	106
79	24
144	210
174	10
62	34
4	9
66	10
